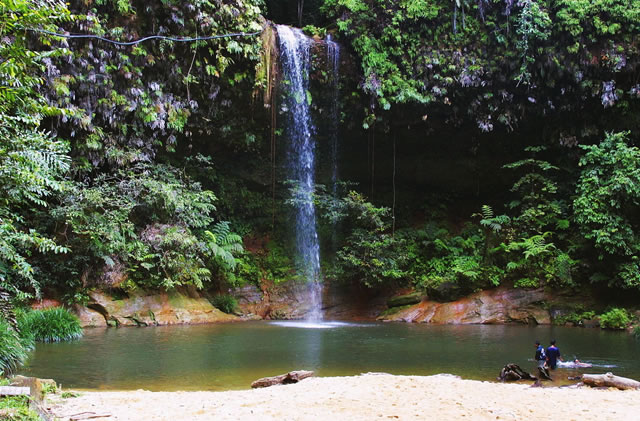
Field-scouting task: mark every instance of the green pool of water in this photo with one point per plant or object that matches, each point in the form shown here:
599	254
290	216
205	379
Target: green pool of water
231	356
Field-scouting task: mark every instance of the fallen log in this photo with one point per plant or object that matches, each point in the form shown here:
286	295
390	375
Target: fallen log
288	378
513	372
610	380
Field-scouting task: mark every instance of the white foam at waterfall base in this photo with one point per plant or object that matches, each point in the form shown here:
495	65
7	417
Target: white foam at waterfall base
305	324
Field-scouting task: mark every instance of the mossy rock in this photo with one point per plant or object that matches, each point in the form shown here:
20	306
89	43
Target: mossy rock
404	300
393	310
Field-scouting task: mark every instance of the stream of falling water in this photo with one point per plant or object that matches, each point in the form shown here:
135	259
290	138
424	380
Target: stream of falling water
333	60
295	62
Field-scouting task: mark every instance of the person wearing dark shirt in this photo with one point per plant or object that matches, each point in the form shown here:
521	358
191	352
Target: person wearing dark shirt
540	357
553	355
541	360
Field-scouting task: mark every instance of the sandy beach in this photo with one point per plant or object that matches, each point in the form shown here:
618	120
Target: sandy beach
369	396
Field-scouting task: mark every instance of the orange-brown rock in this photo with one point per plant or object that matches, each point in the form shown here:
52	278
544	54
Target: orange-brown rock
45	303
142	309
501	305
88	317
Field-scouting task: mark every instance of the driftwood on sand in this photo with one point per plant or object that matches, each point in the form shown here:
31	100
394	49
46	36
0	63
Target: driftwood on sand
610	380
288	378
513	372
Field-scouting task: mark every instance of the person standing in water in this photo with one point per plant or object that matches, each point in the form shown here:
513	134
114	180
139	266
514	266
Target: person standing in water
553	355
541	360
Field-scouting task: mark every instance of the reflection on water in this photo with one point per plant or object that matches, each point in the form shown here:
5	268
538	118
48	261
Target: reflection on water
231	356
314	324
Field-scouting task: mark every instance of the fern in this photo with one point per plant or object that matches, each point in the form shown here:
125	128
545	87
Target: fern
489	220
537	246
223	244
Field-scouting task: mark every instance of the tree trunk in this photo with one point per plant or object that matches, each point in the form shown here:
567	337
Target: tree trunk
609	380
288	378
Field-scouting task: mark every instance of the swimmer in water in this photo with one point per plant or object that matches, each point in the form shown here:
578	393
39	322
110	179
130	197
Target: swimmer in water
579	363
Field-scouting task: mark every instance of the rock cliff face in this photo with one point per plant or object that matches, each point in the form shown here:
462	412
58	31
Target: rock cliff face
290	301
496	306
142	309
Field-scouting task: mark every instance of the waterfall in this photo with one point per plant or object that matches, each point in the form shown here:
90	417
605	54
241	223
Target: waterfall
333	60
299	131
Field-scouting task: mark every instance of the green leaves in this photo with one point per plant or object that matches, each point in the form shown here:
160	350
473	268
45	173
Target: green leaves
12	350
369	254
223	245
493	62
607	204
50	325
154	222
32	162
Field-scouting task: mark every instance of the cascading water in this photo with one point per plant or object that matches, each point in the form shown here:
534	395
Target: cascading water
295	61
333	60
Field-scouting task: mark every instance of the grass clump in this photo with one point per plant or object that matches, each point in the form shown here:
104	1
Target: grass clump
68	395
226	303
13	349
50	325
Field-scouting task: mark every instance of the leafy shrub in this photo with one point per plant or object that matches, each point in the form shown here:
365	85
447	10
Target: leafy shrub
370	254
12	350
616	318
226	303
607	204
313	31
448	266
50	325
575	317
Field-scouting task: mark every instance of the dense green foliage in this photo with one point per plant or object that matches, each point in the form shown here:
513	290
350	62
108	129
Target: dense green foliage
119	203
493	62
50	325
150	166
607	206
576	317
226	303
32	161
616	318
12	349
154	221
370	253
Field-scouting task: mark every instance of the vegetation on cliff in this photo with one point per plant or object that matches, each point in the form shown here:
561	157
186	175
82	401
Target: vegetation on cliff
154	165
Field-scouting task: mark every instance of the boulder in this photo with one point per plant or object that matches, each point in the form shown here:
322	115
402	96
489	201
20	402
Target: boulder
89	317
35	385
497	306
595	322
